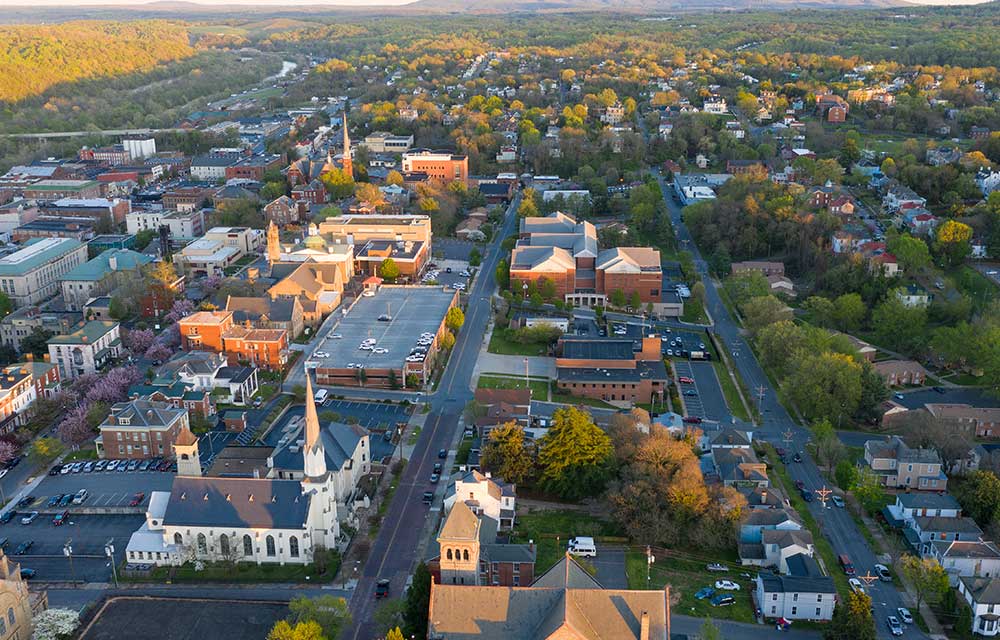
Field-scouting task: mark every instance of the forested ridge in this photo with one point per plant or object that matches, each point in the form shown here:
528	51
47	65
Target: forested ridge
36	57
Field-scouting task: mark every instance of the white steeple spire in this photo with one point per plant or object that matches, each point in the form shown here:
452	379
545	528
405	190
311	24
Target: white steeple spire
314	453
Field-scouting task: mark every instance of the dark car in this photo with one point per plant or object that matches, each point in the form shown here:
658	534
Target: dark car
24	547
797	457
28	574
939	390
7	516
54	500
428	497
16	460
54	471
137	499
381	589
66	499
690	392
437	467
60	518
723	600
691	419
807	495
443	453
25	501
800	485
780	451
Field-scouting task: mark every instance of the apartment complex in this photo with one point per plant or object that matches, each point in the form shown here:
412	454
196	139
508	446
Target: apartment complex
611	370
140	429
217	331
565	252
439	165
32	274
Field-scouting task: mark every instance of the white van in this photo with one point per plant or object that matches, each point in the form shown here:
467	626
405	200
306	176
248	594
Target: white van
582	546
320	396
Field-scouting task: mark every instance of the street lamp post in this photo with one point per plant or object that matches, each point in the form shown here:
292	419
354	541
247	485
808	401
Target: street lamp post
68	552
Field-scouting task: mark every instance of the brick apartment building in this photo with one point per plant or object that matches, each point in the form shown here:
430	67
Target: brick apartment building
611	370
139	429
254	167
439	165
217	331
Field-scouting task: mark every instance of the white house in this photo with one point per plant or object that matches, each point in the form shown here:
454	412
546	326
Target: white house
85	350
484	495
966	559
809	596
262	520
983	596
779	546
914	505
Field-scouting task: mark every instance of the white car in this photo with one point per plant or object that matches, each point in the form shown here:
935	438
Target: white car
904	615
366	347
335	336
368	293
380	350
727	585
856	585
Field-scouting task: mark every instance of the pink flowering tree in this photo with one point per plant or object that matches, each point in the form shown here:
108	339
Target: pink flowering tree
159	351
74	428
114	385
7	451
138	341
180	309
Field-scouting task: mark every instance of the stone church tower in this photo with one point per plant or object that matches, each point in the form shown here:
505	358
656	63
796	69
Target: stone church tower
186	451
273	244
324	527
459	543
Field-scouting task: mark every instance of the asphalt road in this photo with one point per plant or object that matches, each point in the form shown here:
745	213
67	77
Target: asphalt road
836	524
958	395
392	554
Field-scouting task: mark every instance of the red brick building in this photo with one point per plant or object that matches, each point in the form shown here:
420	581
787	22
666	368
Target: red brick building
439	165
611	371
265	348
140	429
203	330
254	167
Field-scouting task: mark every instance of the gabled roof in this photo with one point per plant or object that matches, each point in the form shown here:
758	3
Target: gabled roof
629	260
526	258
983	590
461	524
237	502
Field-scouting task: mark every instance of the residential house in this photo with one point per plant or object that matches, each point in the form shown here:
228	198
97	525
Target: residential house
282	210
901	467
85	350
909	506
804	594
501	406
898	373
923	531
17	394
486	496
962	559
982	422
209	371
139	429
562	600
469	552
898	197
982	594
739	466
280	312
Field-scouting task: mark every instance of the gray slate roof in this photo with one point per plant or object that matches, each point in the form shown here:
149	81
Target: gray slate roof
237	502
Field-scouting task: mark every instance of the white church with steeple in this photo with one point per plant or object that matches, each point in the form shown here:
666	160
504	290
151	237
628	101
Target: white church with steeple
262	520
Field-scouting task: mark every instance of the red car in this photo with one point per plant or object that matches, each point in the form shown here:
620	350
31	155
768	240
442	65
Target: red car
686	380
60	518
692	419
800	485
137	499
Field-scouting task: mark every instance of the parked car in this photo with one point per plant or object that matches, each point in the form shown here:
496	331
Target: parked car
133	465
686	380
56	468
895	628
904	615
66	500
437	467
137	499
28	519
882	572
88	467
428	497
690	392
807	495
797	457
144	465
100	465
856	586
80	496
25	501
60	518
23	547
442	454
381	589
434	478
715	566
112	465
727	585
939	390
7	516
846	564
704	593
67	468
54	500
691	419
723	600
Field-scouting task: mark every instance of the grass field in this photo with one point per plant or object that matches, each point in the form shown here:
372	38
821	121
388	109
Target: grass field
694	312
686	575
729	390
502	342
539	386
551	529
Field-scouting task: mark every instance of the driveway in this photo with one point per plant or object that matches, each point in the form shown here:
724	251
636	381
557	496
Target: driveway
610	565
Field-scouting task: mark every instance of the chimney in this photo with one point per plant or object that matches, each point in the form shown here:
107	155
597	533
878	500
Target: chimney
644	626
763	496
113	263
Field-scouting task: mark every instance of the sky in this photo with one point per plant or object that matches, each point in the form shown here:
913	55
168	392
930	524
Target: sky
82	3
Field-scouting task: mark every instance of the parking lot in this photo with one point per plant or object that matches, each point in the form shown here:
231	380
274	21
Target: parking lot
105	489
709	403
88	535
371	415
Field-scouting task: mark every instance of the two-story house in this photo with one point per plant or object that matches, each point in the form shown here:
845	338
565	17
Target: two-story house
909	506
899	466
983	596
967	559
804	594
485	495
924	531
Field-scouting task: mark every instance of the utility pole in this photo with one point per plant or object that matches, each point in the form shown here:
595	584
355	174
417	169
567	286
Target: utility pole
760	398
787	438
109	551
868	578
824	495
68	552
650	559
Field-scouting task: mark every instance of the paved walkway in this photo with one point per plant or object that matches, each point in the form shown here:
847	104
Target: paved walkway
514	365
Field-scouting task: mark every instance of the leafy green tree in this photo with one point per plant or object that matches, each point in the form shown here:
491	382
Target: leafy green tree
779	344
394	178
873	393
868	489
503	275
506	454
389	615
849	311
329	612
454	319
852	619
327	212
820	310
845	475
898	327
829	449
927	577
418	598
825	386
617	298
282	630
575	455
338	184
547	288
635	300
740	288
763	311
912	253
979	496
475	257
389	270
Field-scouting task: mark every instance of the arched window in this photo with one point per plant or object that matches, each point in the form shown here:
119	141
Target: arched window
202	544
224	545
247	545
184	456
178	538
270	545
293	547
3	627
10	617
465	554
449	555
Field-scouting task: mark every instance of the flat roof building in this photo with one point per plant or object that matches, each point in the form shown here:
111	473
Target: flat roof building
32	274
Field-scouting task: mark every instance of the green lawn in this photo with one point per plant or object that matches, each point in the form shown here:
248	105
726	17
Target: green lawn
539	386
686	577
502	342
411	438
551	530
694	312
568	398
729	390
974	284
245	572
82	454
464	449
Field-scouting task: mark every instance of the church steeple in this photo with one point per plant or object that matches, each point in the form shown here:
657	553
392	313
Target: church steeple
273	244
347	164
313	451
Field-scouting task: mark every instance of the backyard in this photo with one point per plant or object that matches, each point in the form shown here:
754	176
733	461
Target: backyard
539	386
551	529
502	341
